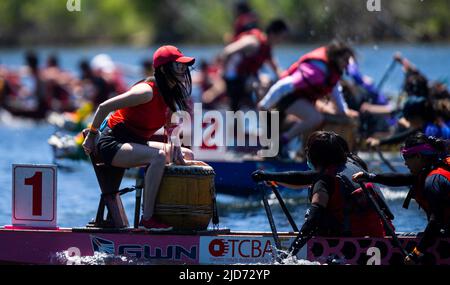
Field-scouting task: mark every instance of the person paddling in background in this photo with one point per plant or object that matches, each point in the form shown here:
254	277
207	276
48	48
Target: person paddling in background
314	76
58	85
93	88
417	113
429	163
338	206
422	111
243	59
138	114
245	18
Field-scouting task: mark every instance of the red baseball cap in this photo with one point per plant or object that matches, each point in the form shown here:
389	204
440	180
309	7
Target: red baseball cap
166	54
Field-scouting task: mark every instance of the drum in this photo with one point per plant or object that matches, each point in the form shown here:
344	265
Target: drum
347	130
185	197
345	127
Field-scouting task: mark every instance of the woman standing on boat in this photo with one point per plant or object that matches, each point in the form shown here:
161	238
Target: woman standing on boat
338	206
427	159
138	114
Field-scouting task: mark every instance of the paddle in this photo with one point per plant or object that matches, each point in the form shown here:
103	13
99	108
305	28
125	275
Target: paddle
386	74
385	161
262	188
298	244
379	86
299	241
386	224
274	187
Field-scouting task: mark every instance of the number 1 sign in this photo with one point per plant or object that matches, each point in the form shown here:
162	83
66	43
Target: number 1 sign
34	196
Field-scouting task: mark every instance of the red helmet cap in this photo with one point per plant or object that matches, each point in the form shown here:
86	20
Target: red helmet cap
166	54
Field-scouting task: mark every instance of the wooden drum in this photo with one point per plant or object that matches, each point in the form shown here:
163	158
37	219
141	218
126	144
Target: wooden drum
185	198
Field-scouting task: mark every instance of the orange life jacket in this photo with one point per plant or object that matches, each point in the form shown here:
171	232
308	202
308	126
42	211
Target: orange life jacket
250	65
417	192
313	91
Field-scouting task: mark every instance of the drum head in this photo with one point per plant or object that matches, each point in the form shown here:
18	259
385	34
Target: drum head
197	168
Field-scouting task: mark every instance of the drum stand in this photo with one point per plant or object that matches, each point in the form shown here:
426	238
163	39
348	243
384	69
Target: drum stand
109	179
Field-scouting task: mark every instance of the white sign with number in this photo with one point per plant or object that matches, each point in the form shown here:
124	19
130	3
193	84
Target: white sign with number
34	196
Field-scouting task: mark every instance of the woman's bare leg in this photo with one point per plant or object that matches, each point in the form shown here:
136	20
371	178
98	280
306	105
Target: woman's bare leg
187	153
310	118
135	155
154	155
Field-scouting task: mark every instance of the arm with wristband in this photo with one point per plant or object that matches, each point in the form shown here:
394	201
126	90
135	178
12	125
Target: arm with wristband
137	95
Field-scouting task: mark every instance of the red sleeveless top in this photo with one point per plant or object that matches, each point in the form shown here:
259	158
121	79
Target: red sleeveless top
145	119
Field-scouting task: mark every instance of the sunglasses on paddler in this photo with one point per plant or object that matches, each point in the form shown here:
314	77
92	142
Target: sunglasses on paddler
409	156
179	68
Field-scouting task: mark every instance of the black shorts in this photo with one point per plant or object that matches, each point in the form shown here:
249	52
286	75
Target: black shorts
111	140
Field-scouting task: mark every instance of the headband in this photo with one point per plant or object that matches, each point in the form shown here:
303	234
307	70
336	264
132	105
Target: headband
425	149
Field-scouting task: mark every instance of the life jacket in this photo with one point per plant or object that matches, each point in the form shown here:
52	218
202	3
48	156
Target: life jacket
349	210
251	64
145	119
417	191
60	94
244	23
314	92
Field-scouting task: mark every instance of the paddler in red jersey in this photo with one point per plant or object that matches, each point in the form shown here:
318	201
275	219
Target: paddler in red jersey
137	115
246	19
339	207
429	163
243	59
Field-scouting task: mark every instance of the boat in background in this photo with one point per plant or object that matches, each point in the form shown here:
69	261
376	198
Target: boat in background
234	177
233	169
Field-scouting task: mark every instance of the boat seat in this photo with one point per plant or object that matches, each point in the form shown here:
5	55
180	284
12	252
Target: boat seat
109	179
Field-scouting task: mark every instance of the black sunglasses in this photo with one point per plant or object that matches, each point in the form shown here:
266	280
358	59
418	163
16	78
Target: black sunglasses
409	156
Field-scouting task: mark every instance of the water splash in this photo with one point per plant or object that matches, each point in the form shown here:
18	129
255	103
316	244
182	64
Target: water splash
289	259
98	258
392	195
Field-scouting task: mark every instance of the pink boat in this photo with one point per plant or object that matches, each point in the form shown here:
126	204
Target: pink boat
35	238
85	246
